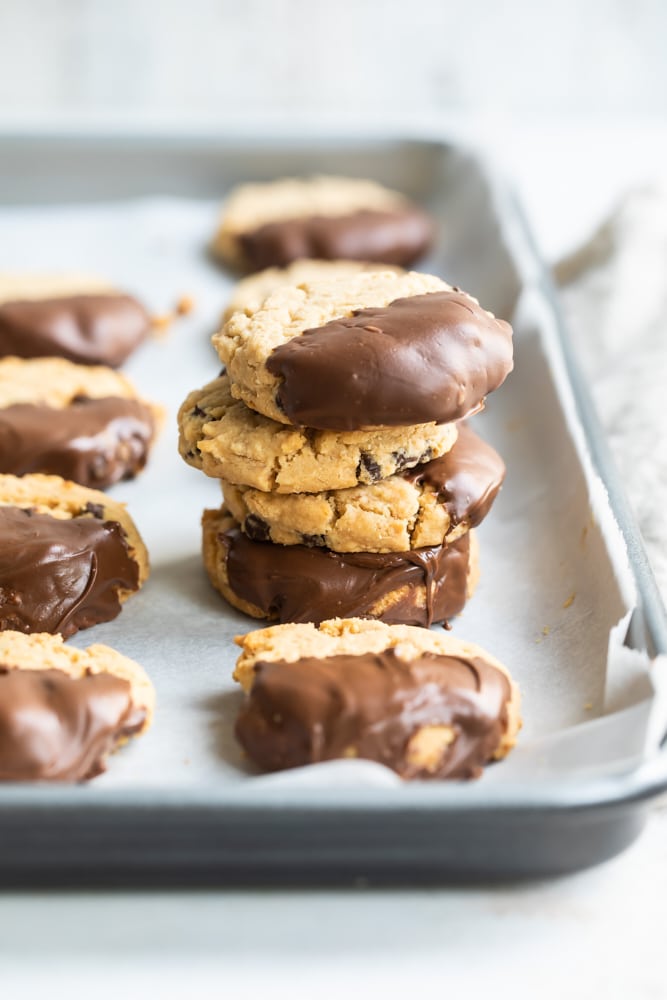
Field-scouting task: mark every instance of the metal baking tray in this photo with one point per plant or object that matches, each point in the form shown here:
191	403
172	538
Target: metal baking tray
567	597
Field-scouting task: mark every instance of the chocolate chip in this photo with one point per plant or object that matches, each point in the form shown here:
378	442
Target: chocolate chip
96	509
198	412
371	466
313	541
402	461
256	529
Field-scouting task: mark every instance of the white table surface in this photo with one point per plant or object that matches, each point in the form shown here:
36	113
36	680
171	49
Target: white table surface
600	932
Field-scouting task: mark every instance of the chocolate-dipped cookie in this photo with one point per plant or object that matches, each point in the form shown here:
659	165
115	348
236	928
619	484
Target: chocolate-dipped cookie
327	218
69	556
428	705
83	423
430	504
372	350
228	440
77	317
64	710
295	583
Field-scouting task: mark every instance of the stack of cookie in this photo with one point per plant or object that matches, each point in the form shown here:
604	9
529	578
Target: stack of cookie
350	484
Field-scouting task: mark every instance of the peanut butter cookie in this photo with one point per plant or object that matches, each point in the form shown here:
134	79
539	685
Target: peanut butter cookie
64	710
426	704
328	218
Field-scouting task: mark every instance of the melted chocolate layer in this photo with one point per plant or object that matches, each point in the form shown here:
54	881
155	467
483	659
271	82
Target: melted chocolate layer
90	329
424	358
294	583
95	442
397	237
466	479
54	727
60	575
371	706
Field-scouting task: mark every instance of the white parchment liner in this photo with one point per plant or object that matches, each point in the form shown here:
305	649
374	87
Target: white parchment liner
556	590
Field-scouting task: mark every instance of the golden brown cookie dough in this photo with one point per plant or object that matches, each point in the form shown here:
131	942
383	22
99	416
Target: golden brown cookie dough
84	423
427	704
372	350
227	440
69	556
329	218
64	710
74	316
427	505
296	584
250	293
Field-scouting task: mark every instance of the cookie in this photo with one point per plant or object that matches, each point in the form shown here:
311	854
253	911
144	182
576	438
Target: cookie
430	504
227	440
69	556
328	218
80	422
250	293
426	704
77	317
64	710
294	583
375	349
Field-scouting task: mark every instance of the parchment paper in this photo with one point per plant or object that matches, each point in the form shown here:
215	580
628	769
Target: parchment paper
556	591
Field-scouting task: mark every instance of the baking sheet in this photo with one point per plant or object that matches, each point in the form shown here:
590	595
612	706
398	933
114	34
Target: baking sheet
556	589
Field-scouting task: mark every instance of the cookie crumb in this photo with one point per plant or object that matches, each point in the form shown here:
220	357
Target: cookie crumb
570	600
161	322
185	305
546	629
588	706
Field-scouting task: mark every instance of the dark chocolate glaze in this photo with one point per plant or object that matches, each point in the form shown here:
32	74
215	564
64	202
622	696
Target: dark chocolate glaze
95	442
60	575
89	329
370	706
54	727
295	583
425	358
399	236
466	479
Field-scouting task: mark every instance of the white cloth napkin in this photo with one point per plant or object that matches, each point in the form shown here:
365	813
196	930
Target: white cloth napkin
614	292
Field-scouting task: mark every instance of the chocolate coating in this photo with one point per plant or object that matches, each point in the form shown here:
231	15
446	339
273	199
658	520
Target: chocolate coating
466	479
295	583
424	358
54	727
59	575
89	329
370	706
399	237
95	442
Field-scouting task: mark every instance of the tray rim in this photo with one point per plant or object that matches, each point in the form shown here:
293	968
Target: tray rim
649	624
